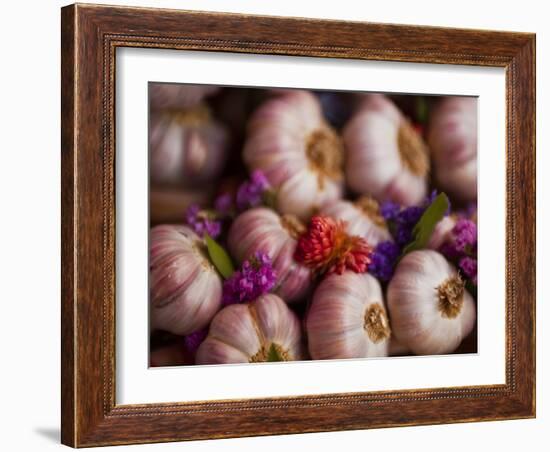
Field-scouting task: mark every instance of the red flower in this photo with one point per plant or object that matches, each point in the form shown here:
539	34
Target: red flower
327	248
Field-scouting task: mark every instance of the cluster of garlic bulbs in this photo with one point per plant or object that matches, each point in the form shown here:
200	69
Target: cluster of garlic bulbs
305	162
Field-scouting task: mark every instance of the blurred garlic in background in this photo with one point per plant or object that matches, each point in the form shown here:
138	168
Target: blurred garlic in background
385	156
186	290
431	311
362	218
170	96
250	333
297	150
347	318
452	136
262	229
187	147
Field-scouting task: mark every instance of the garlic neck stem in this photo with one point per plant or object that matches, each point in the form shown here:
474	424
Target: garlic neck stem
371	209
293	225
412	150
193	117
376	323
451	296
324	151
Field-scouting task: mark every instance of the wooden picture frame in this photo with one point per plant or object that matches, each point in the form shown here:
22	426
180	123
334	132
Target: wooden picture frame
90	36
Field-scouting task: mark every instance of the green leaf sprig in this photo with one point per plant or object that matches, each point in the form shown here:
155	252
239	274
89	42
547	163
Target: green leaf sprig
219	257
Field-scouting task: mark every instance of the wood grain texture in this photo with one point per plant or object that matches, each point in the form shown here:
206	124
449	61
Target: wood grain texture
90	36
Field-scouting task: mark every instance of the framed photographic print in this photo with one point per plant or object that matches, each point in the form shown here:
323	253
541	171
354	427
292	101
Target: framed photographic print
282	225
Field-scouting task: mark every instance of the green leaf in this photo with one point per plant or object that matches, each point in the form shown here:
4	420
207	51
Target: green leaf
273	355
219	257
422	110
423	230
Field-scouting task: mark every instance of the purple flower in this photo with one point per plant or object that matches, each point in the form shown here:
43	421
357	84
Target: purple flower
389	210
202	221
193	340
404	224
224	204
383	260
250	193
462	240
255	277
469	266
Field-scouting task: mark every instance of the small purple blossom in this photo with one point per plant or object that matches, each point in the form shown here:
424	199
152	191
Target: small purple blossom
469	266
224	204
389	210
255	277
462	240
202	221
383	260
405	222
194	340
250	193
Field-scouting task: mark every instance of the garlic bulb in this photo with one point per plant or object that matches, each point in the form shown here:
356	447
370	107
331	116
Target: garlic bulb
178	96
300	154
186	290
431	312
262	229
187	147
347	318
385	156
245	333
441	232
362	218
452	137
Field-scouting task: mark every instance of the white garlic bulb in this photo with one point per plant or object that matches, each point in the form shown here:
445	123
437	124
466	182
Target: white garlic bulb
347	318
431	311
299	153
177	95
362	218
245	333
452	137
186	289
385	156
187	147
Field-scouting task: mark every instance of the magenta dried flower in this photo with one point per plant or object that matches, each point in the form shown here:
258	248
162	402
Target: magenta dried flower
383	260
251	193
468	265
463	239
194	340
203	221
255	277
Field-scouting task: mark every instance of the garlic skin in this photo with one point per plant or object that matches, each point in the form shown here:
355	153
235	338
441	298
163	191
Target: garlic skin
441	232
262	229
299	153
169	96
386	157
347	318
186	290
187	147
244	333
431	312
362	218
452	136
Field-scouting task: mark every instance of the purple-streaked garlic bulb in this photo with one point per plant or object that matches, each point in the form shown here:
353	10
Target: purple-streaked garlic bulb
186	289
441	232
187	147
347	318
245	333
431	311
385	156
362	218
170	96
452	137
262	229
300	154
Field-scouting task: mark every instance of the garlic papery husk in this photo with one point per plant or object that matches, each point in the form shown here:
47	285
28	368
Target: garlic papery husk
246	333
431	311
347	318
299	153
173	96
385	156
262	229
452	136
362	218
186	289
441	232
187	147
